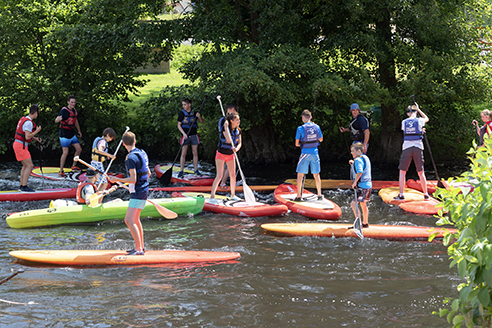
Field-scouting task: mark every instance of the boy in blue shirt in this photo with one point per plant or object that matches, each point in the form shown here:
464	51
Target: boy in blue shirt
360	172
308	137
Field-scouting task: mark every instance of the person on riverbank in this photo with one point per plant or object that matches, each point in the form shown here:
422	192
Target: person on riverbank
25	131
137	165
68	123
413	148
229	145
486	129
358	128
230	109
100	154
308	137
360	172
187	125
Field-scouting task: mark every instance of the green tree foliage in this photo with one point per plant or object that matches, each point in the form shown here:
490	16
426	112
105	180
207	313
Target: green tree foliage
470	210
270	57
88	48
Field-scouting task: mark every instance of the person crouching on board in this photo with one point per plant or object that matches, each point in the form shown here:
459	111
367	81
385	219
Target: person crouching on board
24	133
137	165
229	144
360	172
308	137
87	188
100	154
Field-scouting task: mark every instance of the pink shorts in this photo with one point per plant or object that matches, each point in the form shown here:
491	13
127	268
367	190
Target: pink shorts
21	153
225	158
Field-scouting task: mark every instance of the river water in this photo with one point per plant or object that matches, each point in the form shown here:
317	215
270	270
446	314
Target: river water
277	282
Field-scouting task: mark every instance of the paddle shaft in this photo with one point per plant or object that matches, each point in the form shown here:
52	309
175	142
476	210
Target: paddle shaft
112	159
357	222
168	214
11	276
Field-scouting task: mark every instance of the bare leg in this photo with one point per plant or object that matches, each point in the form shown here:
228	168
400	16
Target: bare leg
194	151
132	220
63	157
423	181
25	171
402	181
231	167
78	151
183	156
300	176
365	213
317	180
219	164
224	177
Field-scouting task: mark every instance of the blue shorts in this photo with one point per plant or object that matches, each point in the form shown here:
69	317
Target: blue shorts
306	161
137	203
191	140
99	166
65	142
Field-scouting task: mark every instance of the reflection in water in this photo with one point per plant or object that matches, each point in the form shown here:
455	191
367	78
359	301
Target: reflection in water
278	281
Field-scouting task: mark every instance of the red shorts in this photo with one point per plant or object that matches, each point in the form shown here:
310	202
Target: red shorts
21	152
225	158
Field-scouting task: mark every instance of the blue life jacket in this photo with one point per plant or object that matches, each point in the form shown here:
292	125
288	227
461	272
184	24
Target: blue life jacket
366	172
411	129
221	123
143	170
189	120
234	136
311	135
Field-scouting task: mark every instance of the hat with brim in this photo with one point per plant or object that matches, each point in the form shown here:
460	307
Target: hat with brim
90	173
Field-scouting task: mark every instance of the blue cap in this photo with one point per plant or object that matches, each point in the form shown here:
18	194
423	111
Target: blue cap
354	106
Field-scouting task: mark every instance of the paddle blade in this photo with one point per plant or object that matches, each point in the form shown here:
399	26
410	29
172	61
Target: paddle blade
165	178
94	200
358	228
249	196
168	214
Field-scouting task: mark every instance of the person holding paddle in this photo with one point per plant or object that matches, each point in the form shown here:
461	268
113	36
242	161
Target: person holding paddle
24	133
137	165
413	148
308	137
229	145
100	154
358	128
486	129
230	109
86	188
360	172
187	125
68	122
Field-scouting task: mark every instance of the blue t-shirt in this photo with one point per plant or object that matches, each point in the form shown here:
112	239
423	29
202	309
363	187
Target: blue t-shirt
300	135
363	165
133	161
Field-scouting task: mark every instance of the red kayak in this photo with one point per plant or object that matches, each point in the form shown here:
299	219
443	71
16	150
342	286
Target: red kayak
310	206
45	194
431	185
189	176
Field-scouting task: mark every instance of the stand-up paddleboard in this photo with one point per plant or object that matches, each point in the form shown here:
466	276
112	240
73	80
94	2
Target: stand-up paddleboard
414	201
23	196
237	208
310	206
189	176
119	257
431	185
345	230
209	188
51	173
107	211
341	184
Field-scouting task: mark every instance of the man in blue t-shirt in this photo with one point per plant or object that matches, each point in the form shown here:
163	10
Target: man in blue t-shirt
308	137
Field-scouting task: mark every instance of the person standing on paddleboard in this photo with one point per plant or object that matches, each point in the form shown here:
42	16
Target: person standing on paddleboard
100	154
24	133
486	129
137	165
360	172
187	125
229	145
358	128
68	122
308	137
413	148
230	109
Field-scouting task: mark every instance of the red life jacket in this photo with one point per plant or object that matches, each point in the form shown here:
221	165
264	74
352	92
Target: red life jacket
19	133
80	198
70	122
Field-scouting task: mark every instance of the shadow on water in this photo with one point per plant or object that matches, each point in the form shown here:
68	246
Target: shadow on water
278	281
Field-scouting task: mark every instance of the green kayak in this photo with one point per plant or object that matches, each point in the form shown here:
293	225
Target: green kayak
107	211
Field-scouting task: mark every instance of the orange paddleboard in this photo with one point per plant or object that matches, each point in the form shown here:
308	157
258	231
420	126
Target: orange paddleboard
414	201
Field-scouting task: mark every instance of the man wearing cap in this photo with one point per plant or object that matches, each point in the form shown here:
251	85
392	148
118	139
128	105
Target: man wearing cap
358	128
413	148
87	188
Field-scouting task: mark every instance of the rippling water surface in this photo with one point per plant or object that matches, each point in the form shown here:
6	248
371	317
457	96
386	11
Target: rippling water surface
277	282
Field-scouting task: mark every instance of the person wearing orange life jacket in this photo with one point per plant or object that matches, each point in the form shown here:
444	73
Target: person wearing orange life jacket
99	155
87	188
24	133
68	123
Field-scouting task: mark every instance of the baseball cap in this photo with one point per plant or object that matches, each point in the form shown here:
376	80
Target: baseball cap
354	106
90	173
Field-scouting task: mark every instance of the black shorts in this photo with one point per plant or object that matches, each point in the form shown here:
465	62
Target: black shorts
363	195
407	155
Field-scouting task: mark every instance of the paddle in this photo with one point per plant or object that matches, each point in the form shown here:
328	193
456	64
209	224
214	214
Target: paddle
439	182
166	176
357	223
11	276
94	198
248	193
168	214
112	159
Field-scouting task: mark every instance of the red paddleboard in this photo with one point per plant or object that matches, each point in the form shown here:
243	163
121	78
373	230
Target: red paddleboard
414	201
22	196
237	208
189	176
391	232
311	207
209	188
119	257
